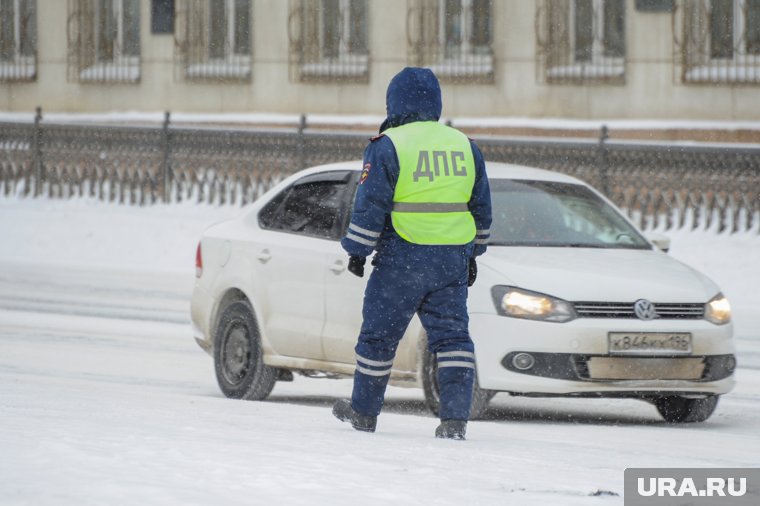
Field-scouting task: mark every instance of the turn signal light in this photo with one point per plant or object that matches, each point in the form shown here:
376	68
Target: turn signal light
198	261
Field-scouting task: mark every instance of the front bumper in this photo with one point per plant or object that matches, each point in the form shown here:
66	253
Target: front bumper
576	366
572	358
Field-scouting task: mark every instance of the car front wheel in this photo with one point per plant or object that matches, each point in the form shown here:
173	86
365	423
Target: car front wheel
480	397
679	409
238	360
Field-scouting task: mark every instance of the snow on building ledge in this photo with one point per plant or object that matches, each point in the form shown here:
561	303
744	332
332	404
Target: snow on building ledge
616	129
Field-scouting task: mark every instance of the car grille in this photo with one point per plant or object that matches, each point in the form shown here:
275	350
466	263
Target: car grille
686	311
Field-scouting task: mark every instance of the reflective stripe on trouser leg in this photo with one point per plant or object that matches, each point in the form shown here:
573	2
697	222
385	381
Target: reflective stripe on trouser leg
456	376
370	380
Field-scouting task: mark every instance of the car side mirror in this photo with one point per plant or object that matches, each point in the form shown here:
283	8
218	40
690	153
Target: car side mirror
662	242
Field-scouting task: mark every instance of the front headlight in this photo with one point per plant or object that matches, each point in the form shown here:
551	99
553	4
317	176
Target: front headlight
718	310
519	303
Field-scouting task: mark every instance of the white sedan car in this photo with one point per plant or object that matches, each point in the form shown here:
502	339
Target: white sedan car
570	300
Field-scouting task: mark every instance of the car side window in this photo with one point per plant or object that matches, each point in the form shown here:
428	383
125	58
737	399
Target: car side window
268	213
315	206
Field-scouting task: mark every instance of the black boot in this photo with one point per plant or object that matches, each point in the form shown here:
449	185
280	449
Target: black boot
345	413
451	429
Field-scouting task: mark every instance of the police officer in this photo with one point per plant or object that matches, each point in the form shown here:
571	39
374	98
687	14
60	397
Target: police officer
424	205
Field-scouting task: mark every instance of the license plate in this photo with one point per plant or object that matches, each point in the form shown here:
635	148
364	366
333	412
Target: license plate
649	343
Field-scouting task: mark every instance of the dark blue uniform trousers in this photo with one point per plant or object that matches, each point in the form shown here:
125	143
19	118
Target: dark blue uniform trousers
430	281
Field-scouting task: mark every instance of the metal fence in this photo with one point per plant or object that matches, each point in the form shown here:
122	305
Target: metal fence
660	186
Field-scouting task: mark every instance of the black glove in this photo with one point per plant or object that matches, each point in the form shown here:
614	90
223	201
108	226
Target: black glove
472	272
356	266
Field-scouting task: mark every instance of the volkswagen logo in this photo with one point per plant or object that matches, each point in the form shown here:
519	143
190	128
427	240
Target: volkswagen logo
644	310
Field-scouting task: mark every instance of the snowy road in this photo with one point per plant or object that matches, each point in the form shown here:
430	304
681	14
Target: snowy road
106	399
95	292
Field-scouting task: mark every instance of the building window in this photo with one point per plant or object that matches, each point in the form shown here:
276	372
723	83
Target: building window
720	41
162	16
18	40
214	39
104	40
655	5
329	40
582	41
452	37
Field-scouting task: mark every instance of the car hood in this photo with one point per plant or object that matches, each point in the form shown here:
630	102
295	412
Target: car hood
585	274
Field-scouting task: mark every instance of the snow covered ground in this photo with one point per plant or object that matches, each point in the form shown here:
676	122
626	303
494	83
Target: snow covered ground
106	399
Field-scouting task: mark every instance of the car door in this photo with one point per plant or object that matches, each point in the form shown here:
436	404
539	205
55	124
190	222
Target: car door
299	228
344	298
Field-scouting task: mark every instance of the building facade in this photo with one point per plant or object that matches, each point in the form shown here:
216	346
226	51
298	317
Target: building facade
581	59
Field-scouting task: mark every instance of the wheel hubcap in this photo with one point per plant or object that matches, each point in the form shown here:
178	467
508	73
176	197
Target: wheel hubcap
236	354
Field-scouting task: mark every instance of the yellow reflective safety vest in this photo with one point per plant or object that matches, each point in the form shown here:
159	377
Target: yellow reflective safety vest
436	176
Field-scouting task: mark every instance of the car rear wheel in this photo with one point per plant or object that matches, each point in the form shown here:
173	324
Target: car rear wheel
679	409
238	360
480	397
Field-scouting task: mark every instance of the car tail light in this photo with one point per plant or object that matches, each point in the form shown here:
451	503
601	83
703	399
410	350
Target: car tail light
198	261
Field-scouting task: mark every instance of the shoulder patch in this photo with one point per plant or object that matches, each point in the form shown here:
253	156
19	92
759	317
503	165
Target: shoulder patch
365	173
376	137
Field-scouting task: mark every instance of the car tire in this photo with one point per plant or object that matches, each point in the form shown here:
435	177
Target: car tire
480	397
679	409
238	359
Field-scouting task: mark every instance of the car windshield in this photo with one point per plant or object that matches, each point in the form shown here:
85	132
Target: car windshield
554	214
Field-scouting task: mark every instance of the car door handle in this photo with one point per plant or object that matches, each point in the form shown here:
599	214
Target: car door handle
338	266
264	256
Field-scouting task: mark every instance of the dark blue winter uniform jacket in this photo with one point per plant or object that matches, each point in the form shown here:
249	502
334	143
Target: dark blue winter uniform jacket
409	279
